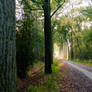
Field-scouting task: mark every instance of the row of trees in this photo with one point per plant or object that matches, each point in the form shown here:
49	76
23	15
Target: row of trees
31	40
26	49
69	30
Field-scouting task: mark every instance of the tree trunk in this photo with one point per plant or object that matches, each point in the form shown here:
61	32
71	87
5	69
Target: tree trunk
7	46
71	46
48	37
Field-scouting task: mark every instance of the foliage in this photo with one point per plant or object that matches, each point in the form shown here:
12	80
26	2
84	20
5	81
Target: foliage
55	4
68	22
85	42
63	28
88	12
81	39
30	41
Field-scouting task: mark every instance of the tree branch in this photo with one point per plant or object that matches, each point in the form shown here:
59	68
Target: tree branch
36	2
32	9
58	8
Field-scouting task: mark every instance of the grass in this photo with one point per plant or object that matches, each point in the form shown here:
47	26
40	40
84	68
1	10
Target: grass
51	83
85	62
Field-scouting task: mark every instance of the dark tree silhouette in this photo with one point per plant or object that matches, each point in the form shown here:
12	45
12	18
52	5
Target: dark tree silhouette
48	37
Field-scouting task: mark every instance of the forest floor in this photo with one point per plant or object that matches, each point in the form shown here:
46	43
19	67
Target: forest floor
72	77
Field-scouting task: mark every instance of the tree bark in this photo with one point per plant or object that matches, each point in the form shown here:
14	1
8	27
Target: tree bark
7	46
48	37
71	46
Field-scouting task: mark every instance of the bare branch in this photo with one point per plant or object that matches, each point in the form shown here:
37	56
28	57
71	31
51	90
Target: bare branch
58	8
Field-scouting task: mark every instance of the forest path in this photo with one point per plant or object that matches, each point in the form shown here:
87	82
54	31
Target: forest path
80	76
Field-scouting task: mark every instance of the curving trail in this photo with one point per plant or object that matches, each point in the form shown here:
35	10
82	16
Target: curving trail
80	75
81	69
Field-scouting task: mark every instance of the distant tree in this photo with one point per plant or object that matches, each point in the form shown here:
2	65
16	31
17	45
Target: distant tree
63	33
7	46
88	12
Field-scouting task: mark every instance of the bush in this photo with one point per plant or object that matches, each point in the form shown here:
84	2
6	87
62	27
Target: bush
29	46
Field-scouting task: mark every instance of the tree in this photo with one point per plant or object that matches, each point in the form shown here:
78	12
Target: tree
48	37
7	46
67	26
46	5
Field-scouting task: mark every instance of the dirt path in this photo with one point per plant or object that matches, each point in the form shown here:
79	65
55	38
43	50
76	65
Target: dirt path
77	80
34	79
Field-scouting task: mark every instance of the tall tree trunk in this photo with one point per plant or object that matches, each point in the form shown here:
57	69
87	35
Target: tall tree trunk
71	47
48	37
7	46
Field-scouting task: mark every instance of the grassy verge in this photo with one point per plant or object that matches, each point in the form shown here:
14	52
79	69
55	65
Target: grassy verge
86	62
51	83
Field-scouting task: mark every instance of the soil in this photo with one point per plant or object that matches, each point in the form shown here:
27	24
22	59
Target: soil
75	81
35	78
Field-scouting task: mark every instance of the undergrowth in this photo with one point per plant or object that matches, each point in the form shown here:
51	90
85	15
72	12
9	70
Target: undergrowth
51	83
